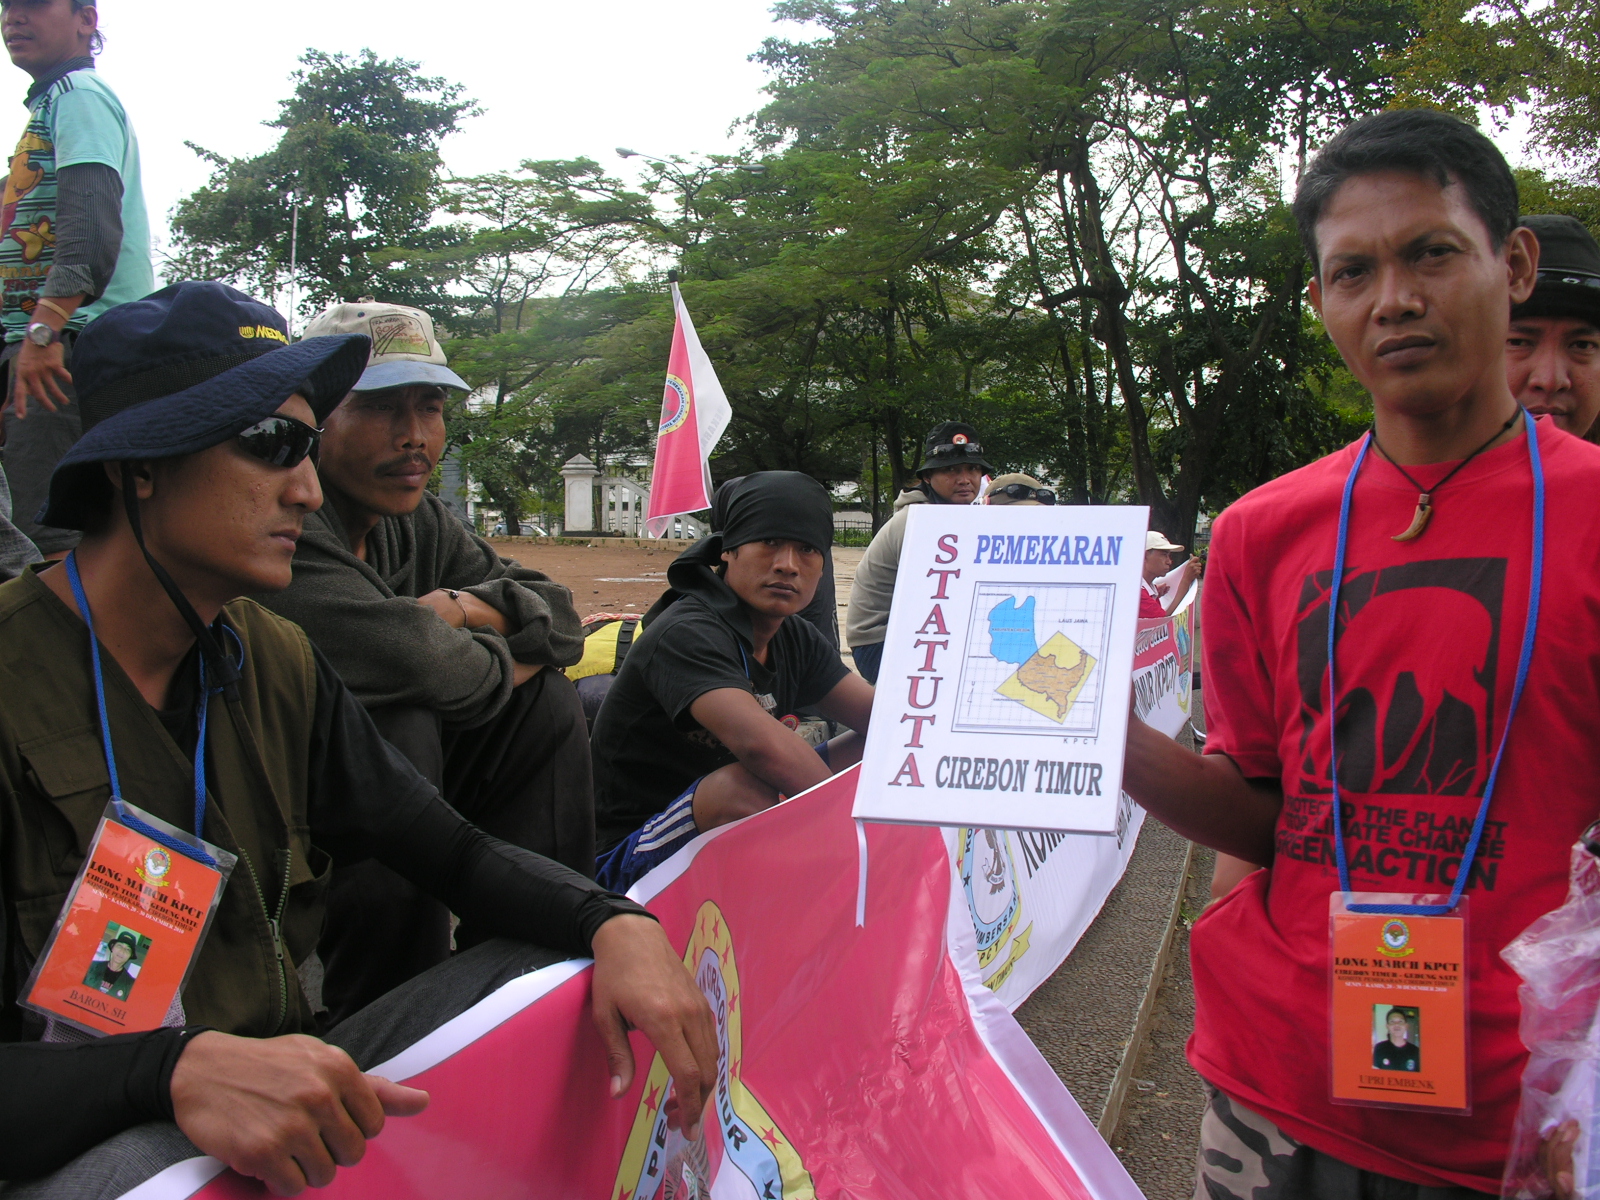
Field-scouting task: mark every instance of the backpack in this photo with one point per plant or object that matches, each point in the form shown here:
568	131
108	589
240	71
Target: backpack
607	638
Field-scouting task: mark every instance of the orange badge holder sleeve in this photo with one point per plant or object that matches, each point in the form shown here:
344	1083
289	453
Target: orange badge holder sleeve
134	900
1399	1005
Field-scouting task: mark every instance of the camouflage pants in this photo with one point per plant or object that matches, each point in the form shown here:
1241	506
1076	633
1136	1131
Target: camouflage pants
1244	1156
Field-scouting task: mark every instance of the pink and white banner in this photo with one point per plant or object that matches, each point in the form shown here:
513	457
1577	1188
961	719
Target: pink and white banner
694	412
862	1056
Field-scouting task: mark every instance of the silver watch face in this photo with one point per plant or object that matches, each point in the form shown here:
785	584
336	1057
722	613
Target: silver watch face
41	334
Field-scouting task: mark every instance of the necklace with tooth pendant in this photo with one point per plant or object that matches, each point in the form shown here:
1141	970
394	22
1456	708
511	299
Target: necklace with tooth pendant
1419	519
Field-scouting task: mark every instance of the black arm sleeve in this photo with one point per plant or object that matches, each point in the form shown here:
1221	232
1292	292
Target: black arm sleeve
88	231
367	801
60	1100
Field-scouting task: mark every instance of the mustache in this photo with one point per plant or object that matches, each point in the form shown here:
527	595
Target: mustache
393	465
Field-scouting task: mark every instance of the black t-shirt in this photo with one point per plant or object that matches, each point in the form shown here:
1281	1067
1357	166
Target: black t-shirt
647	746
1386	1056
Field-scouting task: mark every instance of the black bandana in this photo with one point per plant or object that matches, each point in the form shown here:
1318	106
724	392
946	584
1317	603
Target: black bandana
773	504
767	504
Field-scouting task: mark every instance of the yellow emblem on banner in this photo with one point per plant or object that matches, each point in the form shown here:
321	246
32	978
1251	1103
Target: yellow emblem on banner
661	1164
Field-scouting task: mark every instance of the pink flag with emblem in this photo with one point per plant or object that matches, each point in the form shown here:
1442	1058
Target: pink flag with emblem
694	412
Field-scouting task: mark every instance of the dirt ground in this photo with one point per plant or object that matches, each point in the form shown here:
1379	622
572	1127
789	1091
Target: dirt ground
602	579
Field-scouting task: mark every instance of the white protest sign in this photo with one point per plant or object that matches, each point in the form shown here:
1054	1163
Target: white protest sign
1030	893
1002	700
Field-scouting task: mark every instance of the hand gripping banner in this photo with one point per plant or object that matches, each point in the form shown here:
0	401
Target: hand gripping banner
858	1059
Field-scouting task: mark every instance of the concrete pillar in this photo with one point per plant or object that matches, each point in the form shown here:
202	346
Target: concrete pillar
580	475
453	487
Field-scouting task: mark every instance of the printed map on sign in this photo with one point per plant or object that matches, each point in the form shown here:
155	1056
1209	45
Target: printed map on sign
1031	659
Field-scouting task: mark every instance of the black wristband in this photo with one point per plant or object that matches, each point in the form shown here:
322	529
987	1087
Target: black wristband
601	907
172	1050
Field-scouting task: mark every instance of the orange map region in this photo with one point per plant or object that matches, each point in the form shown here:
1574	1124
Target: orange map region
1051	680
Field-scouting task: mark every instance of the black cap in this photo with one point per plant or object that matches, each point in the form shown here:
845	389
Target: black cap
952	444
1569	271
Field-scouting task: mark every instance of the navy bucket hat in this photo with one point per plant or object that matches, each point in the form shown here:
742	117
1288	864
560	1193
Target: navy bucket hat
180	371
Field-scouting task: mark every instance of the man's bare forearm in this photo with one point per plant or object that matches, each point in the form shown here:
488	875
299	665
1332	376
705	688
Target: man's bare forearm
1204	797
786	764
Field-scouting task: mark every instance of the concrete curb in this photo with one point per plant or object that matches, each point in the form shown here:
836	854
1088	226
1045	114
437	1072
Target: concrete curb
1090	1018
1117	1095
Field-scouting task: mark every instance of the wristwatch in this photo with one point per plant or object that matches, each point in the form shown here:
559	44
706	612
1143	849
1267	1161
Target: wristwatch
41	334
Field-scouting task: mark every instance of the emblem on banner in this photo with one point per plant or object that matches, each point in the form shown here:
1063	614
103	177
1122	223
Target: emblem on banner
675	404
989	878
739	1137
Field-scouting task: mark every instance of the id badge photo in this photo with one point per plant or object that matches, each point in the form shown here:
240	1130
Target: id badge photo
1399	1004
131	928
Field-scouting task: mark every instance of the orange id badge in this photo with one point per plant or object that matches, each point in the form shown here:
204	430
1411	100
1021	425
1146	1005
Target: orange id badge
130	930
1399	1016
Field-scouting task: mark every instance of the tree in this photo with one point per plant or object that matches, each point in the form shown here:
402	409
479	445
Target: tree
360	153
1108	163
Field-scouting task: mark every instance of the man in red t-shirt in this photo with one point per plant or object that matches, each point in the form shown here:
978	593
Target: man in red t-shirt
1158	556
1410	221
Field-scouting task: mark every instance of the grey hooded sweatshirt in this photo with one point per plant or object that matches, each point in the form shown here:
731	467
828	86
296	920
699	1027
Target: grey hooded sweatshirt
389	649
867	618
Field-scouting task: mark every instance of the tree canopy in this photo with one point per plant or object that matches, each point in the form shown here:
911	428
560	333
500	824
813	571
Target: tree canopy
1065	221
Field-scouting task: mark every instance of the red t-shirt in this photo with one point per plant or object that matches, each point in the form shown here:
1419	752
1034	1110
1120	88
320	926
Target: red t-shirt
1150	604
1428	652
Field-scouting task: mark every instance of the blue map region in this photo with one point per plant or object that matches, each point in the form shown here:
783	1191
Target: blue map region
1011	631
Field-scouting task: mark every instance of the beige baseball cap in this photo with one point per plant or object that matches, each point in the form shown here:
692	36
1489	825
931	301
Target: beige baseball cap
404	347
1156	540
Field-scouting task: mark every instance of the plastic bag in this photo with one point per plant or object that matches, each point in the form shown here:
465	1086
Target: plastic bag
1555	1140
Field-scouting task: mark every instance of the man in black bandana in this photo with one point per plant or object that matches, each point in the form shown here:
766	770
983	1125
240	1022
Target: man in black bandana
698	729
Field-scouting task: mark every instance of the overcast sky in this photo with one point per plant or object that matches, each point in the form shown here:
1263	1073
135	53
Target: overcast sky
555	80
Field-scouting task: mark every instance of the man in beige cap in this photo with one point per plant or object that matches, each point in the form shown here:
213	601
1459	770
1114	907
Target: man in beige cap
1158	554
441	640
1017	488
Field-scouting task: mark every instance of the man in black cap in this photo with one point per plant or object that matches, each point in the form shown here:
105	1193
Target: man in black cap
133	671
114	974
952	472
699	728
1553	349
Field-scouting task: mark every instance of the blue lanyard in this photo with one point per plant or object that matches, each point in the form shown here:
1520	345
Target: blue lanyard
123	812
1529	628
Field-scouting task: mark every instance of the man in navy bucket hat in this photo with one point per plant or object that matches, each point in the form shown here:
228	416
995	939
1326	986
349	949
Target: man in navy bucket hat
190	484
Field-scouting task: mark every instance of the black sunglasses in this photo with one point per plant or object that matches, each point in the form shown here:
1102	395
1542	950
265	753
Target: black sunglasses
1021	491
957	448
281	441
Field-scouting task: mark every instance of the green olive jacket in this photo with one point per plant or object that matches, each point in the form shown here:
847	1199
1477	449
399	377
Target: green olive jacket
54	788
